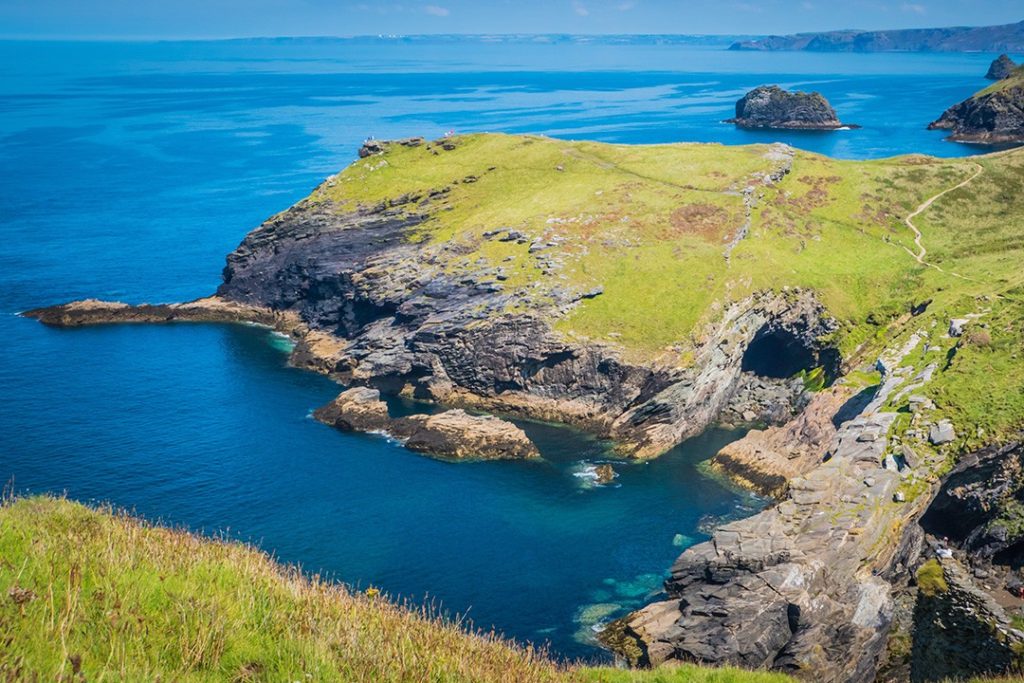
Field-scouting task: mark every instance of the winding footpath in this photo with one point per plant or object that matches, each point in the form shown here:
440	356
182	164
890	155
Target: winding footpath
909	221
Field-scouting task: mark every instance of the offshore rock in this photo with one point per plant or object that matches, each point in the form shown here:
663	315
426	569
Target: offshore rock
355	410
769	106
1001	67
457	435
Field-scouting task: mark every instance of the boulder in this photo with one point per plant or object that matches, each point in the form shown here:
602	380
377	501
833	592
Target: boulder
769	106
355	410
941	433
457	435
1001	67
956	326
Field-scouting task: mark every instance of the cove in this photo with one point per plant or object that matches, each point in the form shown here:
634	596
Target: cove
206	426
133	168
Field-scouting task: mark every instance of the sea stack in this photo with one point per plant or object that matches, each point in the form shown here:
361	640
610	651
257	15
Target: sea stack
1002	66
769	106
993	116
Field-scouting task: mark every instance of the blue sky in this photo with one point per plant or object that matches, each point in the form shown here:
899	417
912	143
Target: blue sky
236	18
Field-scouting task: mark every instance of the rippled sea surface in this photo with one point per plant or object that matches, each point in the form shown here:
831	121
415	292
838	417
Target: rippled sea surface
128	171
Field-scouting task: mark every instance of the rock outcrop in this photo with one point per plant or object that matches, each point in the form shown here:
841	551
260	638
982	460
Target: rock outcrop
1001	67
993	116
1003	38
452	435
457	435
960	631
356	410
767	460
979	504
804	586
769	106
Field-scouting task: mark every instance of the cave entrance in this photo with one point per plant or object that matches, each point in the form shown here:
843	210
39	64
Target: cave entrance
778	354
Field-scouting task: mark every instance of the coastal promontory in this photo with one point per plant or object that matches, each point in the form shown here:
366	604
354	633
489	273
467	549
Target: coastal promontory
769	106
994	115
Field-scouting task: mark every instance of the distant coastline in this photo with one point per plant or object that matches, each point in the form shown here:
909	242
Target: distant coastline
1003	38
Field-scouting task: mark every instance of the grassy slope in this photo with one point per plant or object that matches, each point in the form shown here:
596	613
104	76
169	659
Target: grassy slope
92	595
113	599
1014	80
650	225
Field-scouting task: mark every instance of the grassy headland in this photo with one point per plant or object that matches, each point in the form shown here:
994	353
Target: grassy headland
660	230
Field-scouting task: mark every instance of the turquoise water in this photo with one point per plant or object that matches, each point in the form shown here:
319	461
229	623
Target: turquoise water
128	172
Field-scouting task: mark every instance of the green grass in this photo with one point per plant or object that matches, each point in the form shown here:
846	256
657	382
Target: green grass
89	594
931	580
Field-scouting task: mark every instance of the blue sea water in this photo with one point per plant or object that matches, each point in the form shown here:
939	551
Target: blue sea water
128	171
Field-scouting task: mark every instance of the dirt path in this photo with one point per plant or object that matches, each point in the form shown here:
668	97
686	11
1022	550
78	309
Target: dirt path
909	221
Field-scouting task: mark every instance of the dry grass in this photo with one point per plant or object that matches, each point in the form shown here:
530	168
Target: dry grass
95	595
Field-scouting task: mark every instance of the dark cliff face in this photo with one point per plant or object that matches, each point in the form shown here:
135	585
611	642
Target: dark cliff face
993	116
1007	37
980	506
1001	67
773	107
411	323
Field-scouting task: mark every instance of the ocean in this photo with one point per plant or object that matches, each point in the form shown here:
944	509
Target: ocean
130	169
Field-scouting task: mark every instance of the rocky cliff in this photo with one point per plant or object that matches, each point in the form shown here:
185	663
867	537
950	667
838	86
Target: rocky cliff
773	107
993	116
1004	38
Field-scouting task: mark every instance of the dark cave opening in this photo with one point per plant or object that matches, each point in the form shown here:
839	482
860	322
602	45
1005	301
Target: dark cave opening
778	354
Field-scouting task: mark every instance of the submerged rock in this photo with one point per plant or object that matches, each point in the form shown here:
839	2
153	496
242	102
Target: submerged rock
1001	67
769	106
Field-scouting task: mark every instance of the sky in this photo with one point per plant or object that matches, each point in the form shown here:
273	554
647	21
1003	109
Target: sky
244	18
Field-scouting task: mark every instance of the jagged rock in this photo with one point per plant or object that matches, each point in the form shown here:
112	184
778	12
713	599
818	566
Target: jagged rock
605	474
960	631
773	107
976	506
458	435
356	410
941	433
956	326
1001	67
372	148
804	586
767	460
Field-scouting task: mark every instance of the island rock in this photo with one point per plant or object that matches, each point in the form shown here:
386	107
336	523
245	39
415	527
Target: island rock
1001	67
769	106
457	435
355	410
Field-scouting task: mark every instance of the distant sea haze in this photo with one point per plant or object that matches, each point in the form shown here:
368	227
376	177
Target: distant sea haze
133	168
